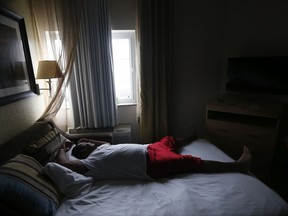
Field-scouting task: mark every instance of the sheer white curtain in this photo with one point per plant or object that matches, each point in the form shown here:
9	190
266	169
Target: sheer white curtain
56	20
93	95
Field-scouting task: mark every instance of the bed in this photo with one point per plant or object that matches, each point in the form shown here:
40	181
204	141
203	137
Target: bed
185	195
31	183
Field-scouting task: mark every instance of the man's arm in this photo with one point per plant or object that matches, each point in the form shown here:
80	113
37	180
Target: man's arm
96	142
74	165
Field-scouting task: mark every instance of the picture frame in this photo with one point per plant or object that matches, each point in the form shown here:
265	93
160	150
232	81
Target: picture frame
17	80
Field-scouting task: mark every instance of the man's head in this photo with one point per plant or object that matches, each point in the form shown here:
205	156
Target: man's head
83	150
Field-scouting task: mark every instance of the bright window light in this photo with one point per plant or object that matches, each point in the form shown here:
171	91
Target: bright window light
123	44
54	44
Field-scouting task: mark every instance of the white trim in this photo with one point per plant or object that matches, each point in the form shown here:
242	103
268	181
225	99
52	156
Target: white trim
130	35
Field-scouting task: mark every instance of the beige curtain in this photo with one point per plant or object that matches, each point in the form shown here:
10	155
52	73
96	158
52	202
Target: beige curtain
61	18
154	41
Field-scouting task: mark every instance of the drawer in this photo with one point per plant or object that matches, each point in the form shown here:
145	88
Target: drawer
259	148
261	166
244	133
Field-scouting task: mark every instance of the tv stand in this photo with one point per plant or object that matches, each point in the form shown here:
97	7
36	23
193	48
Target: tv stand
254	105
232	125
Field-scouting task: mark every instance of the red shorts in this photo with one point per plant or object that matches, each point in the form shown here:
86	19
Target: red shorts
163	161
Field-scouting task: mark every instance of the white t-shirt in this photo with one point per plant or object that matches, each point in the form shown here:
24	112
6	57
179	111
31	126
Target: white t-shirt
117	162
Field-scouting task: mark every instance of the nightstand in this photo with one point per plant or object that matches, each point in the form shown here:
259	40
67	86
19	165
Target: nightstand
232	125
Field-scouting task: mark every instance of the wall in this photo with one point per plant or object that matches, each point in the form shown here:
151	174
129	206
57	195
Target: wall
18	116
205	34
256	28
198	49
123	14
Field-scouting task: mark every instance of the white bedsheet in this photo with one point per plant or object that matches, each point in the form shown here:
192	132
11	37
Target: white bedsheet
222	194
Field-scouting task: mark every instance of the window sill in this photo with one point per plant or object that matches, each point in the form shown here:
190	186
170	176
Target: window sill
126	104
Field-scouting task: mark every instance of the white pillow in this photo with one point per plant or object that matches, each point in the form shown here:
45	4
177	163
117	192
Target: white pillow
70	183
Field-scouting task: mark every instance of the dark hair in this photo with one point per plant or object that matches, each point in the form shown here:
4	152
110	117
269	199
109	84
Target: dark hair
76	152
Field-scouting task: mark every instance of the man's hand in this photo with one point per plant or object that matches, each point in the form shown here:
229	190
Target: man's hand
67	146
83	140
74	165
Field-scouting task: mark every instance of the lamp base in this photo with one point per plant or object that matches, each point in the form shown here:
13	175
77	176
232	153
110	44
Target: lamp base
49	88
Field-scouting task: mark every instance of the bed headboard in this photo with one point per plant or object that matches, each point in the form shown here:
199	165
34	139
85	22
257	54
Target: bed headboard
39	129
16	145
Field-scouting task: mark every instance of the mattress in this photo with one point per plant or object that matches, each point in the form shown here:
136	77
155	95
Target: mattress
190	194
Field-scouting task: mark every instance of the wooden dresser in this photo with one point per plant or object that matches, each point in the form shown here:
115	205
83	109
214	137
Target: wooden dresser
232	125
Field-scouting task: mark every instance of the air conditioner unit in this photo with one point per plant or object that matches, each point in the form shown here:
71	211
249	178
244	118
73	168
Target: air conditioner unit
122	134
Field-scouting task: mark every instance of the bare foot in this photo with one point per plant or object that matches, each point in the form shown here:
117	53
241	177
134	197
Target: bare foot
245	159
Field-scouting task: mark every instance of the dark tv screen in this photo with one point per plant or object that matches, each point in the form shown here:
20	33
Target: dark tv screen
267	75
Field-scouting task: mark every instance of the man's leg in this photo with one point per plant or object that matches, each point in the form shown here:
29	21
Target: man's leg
180	142
163	164
170	143
163	161
241	165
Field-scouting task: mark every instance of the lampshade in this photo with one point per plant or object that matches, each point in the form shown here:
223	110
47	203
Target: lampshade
48	70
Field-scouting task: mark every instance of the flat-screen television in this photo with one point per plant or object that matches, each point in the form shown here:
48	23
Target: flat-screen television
268	75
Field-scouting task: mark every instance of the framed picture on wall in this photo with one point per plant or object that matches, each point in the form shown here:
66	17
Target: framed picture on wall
17	79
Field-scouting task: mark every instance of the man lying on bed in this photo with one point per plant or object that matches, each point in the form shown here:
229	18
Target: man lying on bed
101	160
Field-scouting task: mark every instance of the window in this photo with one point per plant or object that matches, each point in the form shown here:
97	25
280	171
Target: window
54	46
123	45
